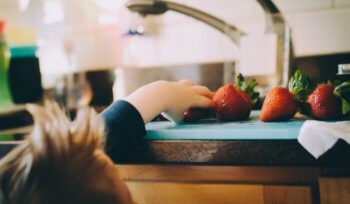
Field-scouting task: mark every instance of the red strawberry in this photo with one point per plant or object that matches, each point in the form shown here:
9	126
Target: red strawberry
232	104
324	104
279	105
195	114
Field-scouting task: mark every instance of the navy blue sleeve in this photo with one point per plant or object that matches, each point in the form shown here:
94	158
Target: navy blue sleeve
124	127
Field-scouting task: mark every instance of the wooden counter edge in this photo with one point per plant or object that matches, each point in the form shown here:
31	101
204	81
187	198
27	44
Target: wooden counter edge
221	174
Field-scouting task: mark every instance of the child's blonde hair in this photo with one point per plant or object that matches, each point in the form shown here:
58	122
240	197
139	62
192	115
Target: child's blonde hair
58	162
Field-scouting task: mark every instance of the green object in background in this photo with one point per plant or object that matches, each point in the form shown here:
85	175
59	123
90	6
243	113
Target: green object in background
6	137
23	51
5	95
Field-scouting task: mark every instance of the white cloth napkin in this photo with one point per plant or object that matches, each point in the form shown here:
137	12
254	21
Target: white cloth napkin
317	137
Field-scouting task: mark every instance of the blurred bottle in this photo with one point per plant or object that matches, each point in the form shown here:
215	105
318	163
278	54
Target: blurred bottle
24	75
5	95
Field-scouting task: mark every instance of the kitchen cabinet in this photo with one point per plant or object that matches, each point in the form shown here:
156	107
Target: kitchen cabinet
219	184
173	193
335	190
234	184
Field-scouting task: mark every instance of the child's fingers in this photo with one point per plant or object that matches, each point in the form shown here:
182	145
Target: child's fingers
204	91
204	102
186	82
173	117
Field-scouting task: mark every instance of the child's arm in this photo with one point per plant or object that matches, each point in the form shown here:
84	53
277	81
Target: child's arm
125	119
172	98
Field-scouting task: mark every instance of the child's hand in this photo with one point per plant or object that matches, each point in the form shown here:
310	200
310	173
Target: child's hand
172	98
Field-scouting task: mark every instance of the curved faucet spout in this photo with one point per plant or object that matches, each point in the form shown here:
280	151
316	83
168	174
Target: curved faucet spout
274	23
155	7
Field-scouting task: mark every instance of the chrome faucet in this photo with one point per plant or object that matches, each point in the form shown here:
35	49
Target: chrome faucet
156	7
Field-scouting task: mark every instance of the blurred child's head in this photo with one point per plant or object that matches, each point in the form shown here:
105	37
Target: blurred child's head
61	162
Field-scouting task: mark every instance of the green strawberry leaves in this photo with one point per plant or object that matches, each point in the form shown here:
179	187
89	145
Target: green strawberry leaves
248	87
300	85
345	106
343	91
240	83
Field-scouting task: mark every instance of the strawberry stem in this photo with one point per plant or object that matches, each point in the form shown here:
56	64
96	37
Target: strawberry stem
343	91
248	87
301	87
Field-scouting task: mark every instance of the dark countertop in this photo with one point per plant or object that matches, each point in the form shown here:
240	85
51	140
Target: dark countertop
246	143
232	152
238	153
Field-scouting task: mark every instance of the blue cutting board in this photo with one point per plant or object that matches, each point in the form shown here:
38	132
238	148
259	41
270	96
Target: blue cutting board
211	129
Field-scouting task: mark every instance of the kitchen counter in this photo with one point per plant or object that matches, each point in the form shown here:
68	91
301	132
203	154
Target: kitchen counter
252	143
248	143
261	163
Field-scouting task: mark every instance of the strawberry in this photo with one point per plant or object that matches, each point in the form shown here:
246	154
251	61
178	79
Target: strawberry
195	114
234	103
231	104
279	105
324	104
